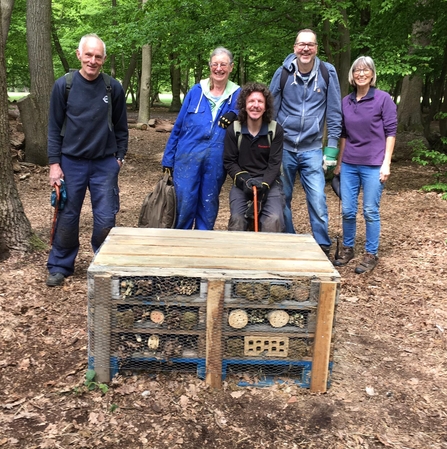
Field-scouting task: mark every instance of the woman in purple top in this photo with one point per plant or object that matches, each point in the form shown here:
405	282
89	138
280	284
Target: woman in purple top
366	145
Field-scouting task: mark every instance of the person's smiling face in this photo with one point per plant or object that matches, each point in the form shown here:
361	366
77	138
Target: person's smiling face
220	68
305	48
363	75
255	105
92	58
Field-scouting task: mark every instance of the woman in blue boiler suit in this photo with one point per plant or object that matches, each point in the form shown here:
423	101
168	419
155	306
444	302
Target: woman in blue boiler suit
194	151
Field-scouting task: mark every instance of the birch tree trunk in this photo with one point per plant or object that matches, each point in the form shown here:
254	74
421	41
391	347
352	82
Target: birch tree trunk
145	84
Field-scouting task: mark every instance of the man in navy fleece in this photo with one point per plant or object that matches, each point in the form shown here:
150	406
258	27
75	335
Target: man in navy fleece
86	149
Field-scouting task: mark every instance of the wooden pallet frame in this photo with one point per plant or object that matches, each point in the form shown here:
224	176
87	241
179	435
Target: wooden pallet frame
217	257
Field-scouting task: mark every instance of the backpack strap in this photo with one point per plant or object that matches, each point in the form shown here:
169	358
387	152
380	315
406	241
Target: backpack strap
324	72
238	132
107	82
271	131
283	79
68	82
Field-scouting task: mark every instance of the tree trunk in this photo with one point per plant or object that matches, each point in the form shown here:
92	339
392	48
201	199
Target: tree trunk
443	119
185	84
345	55
38	37
145	84
325	41
176	82
409	114
112	57
129	72
15	229
7	7
59	50
438	96
198	72
242	71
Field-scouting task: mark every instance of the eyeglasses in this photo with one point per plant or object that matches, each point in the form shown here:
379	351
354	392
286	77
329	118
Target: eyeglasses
365	71
306	44
223	65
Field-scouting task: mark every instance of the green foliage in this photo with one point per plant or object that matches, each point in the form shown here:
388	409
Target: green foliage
91	384
425	156
260	33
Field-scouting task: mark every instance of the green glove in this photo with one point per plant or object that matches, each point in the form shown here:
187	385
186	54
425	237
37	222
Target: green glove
330	156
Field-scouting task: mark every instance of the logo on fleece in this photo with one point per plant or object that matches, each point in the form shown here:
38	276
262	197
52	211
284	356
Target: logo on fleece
105	99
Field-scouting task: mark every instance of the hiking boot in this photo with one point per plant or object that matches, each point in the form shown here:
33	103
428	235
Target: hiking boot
55	279
368	263
346	254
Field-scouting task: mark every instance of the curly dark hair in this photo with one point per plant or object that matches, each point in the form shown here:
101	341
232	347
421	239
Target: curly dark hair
248	89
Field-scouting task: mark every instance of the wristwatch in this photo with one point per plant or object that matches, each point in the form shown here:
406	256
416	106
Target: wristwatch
120	159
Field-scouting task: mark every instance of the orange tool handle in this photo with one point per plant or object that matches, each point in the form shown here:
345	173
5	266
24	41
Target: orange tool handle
255	207
56	210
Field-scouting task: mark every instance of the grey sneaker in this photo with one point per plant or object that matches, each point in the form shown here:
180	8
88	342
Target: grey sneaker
53	280
346	254
368	263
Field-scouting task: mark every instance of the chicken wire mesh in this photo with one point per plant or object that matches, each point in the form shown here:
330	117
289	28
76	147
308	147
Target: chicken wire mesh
159	324
156	323
268	329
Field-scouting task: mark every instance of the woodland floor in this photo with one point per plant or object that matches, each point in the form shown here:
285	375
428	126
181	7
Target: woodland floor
389	381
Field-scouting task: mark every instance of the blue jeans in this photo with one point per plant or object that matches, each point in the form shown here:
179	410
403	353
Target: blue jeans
352	179
100	176
309	166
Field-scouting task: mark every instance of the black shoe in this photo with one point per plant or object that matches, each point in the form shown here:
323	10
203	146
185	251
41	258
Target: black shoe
55	279
326	250
367	264
346	254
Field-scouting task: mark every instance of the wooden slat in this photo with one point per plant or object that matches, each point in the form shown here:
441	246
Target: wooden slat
292	267
214	312
323	335
181	234
307	251
218	251
102	327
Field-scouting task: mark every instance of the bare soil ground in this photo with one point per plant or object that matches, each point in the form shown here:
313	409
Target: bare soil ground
389	382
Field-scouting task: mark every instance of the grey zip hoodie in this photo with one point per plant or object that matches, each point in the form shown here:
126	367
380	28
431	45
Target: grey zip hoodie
303	106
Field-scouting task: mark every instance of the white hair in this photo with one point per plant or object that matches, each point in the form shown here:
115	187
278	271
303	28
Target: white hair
89	36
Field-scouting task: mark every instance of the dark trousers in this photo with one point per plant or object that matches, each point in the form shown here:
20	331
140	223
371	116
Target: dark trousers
100	176
271	215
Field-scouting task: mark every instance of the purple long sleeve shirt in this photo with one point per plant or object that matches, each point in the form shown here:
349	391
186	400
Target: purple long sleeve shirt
366	125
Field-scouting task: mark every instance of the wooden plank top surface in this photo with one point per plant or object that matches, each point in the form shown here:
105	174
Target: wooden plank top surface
219	254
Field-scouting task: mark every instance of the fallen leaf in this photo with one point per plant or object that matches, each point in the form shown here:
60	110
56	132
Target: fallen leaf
370	391
11	405
236	394
184	401
24	364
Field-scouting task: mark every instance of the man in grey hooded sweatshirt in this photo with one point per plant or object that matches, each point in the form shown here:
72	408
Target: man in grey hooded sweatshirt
307	93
